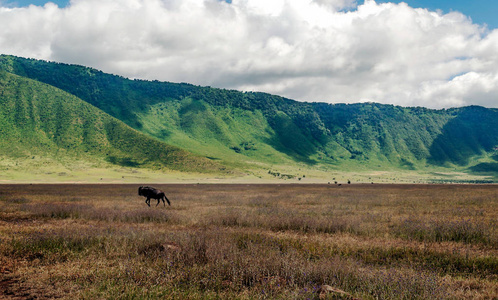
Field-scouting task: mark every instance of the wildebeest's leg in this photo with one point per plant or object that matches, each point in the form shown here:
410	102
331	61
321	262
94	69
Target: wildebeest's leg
147	201
158	201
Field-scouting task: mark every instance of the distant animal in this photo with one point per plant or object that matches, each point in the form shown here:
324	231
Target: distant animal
150	192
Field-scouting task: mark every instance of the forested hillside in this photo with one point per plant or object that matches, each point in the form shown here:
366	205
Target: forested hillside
247	128
37	119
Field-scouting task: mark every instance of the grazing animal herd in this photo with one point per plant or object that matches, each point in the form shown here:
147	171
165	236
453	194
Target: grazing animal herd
152	193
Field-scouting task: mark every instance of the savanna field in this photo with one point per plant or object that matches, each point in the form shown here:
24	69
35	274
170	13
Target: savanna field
221	241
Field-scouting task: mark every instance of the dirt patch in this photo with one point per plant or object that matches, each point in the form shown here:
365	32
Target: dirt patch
10	288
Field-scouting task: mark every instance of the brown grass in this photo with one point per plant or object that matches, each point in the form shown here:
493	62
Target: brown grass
249	242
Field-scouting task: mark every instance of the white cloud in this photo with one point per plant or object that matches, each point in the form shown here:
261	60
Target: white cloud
482	88
312	50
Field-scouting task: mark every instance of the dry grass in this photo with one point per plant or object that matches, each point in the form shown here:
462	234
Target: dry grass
249	242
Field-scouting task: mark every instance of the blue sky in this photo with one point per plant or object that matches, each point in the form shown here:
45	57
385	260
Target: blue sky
481	11
307	50
21	3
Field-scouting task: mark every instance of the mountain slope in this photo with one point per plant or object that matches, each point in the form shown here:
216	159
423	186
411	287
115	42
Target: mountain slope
244	129
38	119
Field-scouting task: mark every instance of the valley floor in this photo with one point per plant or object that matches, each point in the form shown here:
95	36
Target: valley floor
249	241
25	172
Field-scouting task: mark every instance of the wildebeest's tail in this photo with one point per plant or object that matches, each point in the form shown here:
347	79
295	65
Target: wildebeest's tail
167	200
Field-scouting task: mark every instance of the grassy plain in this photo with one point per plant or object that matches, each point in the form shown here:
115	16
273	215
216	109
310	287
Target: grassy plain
268	241
38	169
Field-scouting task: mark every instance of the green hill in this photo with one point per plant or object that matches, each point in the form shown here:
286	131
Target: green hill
258	130
37	119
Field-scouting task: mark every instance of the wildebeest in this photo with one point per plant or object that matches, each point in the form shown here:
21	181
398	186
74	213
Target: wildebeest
150	192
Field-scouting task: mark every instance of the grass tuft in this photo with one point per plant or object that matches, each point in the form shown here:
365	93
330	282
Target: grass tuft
464	230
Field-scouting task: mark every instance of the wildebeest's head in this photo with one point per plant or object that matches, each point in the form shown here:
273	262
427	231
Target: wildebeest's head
140	191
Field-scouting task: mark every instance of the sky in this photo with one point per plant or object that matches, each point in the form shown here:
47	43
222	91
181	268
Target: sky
436	54
480	11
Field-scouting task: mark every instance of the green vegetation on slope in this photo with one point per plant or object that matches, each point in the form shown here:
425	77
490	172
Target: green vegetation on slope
472	132
38	119
226	133
243	128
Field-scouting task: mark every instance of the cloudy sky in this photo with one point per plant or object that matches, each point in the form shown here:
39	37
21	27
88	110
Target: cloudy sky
413	53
